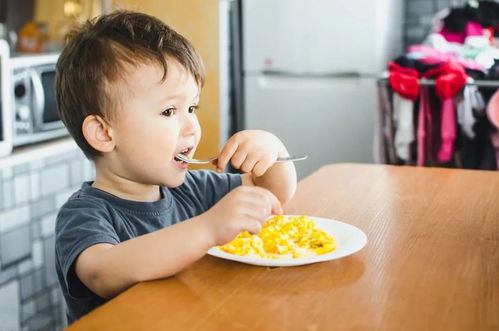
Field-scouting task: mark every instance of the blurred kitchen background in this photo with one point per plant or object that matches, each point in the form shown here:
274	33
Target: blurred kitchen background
306	70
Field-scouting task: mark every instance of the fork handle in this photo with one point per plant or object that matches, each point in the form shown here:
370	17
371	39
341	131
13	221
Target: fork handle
292	158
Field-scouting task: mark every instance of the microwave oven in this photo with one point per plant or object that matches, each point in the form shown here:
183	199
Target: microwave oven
29	109
35	117
5	102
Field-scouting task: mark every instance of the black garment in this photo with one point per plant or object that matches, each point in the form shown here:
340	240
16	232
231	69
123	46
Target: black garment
478	153
417	65
494	71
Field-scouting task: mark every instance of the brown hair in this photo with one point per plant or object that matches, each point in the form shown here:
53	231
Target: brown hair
96	55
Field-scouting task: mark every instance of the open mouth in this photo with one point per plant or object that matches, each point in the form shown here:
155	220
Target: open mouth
184	152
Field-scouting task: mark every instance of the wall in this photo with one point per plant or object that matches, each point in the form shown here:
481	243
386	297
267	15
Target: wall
197	20
419	16
30	195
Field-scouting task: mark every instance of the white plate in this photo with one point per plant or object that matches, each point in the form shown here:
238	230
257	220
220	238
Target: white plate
349	239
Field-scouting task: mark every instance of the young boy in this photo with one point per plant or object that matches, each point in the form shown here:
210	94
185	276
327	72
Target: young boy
128	87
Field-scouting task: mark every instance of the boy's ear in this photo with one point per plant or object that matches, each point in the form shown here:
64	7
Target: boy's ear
98	133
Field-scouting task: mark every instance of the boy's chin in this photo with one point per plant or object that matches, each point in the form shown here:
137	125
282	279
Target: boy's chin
172	183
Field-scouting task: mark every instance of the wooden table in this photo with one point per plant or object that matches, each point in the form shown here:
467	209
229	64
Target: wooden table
431	263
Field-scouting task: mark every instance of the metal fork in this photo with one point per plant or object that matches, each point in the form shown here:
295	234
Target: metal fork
183	158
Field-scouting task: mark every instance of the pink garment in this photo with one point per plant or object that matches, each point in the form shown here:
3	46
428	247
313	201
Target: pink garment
450	78
467	63
470	64
452	37
471	29
433	56
424	128
447	130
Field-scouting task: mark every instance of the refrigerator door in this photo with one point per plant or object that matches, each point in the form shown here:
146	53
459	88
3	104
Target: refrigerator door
330	119
320	36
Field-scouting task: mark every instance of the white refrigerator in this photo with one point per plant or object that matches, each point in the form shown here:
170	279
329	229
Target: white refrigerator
308	73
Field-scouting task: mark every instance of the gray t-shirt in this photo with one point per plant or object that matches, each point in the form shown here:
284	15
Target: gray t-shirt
92	216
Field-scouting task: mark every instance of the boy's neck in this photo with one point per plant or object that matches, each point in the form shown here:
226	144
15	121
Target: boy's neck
124	188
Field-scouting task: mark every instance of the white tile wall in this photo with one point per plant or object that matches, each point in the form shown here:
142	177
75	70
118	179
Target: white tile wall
25	266
37	254
13	218
8	193
31	192
10	307
76	173
54	179
63	196
34	186
21	189
6	173
36	164
48	224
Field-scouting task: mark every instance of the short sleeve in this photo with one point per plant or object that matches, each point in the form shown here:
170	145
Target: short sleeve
80	224
211	186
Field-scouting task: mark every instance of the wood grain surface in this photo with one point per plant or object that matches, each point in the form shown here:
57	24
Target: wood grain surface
431	263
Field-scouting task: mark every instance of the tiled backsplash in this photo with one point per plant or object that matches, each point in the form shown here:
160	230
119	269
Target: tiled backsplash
30	195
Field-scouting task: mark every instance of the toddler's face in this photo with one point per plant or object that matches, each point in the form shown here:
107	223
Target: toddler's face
156	121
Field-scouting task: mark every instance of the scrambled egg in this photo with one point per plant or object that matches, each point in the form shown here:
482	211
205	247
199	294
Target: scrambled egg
282	237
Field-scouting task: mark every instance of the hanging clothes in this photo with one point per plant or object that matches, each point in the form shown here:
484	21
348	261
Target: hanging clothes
424	130
467	103
404	81
479	152
387	153
476	141
450	78
404	130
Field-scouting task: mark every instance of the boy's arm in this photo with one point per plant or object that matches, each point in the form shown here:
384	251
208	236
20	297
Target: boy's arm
109	269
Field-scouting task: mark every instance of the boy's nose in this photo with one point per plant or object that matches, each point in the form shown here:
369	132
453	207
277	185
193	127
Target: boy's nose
189	125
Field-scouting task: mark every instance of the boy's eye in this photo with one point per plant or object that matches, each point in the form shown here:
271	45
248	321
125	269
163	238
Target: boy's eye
192	109
168	112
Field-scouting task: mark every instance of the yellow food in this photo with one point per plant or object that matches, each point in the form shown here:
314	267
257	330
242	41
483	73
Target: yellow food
282	237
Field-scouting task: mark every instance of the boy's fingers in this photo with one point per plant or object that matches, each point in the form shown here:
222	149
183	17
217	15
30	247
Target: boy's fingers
277	209
275	204
254	227
238	159
225	155
262	166
249	164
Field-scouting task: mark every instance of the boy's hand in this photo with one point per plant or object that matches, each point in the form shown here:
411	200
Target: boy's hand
252	151
244	208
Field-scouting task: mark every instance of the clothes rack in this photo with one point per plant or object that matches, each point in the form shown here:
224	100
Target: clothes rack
431	82
475	142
